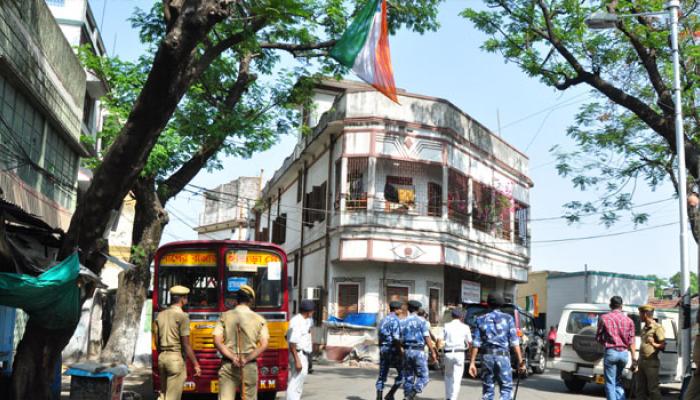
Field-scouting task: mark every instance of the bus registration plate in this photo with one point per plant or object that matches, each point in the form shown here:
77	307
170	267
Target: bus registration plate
214	388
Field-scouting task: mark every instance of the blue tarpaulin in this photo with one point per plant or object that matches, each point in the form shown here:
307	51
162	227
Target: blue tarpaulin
359	319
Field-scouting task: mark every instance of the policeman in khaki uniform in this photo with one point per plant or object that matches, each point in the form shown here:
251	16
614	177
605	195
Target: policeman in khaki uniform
241	335
172	333
692	392
653	340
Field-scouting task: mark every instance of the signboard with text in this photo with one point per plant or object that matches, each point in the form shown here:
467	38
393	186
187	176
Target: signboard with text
250	261
189	259
471	292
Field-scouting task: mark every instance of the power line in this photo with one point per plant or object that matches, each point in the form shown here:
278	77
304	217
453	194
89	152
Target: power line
606	235
553	107
600	212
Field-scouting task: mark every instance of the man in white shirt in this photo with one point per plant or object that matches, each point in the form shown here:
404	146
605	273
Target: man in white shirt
299	339
457	337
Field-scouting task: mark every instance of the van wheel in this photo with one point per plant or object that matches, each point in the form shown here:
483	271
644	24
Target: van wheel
574	385
541	364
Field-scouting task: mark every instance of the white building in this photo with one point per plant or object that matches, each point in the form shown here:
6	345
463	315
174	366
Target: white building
595	287
227	209
385	201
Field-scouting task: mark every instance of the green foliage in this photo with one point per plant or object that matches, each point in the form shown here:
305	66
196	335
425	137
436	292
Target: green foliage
659	284
621	142
675	281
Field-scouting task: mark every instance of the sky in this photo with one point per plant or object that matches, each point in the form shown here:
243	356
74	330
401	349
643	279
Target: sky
450	64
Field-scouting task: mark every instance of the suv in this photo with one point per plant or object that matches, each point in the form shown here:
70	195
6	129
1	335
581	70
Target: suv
579	357
532	341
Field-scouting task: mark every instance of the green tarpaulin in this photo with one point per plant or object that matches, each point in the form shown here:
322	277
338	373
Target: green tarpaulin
51	299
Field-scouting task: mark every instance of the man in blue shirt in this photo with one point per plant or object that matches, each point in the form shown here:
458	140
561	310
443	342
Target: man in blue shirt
390	351
494	335
415	334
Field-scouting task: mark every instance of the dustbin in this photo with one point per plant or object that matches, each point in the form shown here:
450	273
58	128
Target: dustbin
92	381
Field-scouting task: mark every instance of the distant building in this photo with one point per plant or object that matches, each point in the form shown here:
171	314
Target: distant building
382	201
227	210
535	287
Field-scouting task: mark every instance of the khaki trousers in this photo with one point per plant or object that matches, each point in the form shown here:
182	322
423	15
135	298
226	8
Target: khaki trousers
230	380
173	374
648	379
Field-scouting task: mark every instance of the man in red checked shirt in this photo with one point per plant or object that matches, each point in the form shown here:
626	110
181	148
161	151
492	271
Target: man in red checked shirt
616	333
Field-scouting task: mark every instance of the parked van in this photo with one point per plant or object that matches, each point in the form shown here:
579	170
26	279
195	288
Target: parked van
579	357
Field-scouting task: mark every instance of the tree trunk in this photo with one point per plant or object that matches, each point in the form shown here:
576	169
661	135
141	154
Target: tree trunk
149	221
37	358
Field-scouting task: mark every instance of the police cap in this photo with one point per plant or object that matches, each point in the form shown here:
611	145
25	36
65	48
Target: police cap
307	305
456	313
415	304
179	291
646	308
248	291
395	305
495	299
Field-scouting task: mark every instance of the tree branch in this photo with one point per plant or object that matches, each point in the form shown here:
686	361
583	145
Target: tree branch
294	49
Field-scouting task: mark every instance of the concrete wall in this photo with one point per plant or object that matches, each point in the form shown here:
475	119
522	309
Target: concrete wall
536	284
603	287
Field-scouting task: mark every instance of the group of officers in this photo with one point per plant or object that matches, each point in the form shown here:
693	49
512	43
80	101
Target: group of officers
240	336
402	347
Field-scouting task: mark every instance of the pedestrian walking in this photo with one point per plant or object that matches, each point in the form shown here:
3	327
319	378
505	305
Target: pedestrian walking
415	335
299	339
616	334
692	392
241	335
172	333
390	351
653	340
457	338
494	336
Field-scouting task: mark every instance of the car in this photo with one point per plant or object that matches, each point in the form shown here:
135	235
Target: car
579	357
532	340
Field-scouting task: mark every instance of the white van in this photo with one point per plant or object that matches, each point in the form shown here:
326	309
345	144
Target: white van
579	357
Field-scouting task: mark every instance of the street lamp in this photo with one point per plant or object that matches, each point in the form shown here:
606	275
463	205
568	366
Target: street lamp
602	20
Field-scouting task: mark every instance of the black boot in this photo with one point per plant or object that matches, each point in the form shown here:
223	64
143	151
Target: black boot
410	396
390	395
379	395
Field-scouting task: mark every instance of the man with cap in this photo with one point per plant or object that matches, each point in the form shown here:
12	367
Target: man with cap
692	392
241	335
300	346
390	351
653	340
457	337
415	335
494	336
172	334
616	334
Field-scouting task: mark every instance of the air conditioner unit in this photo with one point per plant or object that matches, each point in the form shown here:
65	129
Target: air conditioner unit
312	293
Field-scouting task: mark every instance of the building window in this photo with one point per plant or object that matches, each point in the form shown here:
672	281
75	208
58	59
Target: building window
356	184
279	229
315	205
502	211
434	306
434	199
521	219
483	213
88	107
348	299
396	293
458	197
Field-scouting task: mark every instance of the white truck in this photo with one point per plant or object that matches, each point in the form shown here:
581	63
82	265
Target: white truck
579	358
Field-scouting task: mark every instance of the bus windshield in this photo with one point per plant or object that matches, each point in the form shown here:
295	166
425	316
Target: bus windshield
260	270
195	270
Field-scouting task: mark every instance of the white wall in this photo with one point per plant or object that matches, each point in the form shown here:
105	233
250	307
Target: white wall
290	207
318	173
560	292
632	291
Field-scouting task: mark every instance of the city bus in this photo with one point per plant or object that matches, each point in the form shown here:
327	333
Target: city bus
214	270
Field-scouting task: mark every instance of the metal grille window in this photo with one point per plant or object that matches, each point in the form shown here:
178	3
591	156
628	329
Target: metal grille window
521	220
434	199
408	187
458	197
502	213
348	299
315	208
356	184
279	229
483	213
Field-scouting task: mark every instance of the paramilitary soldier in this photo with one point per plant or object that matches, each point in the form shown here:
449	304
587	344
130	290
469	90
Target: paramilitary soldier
653	340
415	334
494	335
240	336
390	351
172	332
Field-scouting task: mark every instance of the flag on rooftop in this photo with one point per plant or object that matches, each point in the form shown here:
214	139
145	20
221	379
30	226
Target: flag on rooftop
364	47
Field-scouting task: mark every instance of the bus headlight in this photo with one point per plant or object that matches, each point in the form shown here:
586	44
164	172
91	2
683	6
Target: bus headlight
275	370
264	370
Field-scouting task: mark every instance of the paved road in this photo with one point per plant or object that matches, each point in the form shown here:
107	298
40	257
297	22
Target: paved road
332	382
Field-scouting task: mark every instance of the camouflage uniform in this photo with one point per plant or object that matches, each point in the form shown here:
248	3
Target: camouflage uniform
414	330
494	335
389	357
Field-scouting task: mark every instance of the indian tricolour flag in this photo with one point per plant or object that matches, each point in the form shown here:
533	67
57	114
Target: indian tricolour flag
364	47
